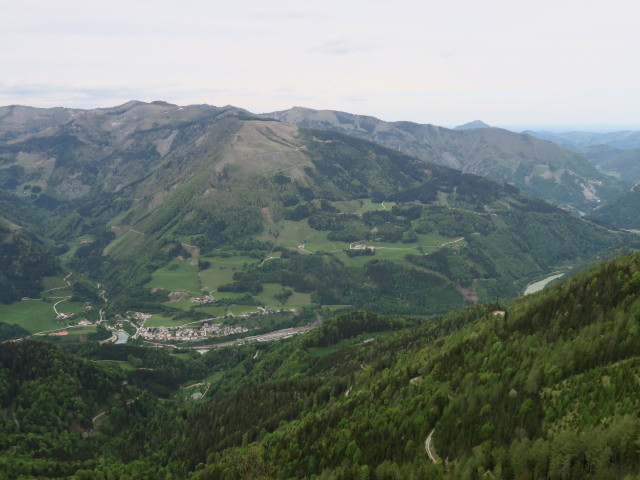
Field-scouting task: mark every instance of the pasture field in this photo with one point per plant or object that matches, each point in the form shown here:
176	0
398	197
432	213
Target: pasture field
184	304
215	377
213	310
122	364
54	282
239	309
358	207
228	295
162	321
124	243
76	332
443	199
298	299
221	270
267	296
69	307
291	234
178	275
32	315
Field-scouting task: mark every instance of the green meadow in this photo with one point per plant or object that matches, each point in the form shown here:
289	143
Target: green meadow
239	309
358	207
122	364
32	315
162	321
183	275
214	310
221	270
178	275
292	234
56	282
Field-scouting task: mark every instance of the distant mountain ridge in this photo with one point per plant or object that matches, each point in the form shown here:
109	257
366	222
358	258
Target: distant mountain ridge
624	164
623	211
624	139
472	125
538	167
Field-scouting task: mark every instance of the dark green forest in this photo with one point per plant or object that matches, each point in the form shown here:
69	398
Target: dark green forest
23	263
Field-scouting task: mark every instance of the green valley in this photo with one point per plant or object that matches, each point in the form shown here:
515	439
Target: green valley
173	204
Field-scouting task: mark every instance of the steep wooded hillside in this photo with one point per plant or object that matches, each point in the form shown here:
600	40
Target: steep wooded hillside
624	164
622	211
23	263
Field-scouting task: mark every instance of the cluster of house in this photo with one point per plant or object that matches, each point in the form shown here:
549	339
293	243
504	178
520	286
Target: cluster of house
140	317
360	246
189	333
202	300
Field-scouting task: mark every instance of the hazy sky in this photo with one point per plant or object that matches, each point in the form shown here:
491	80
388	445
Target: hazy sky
447	62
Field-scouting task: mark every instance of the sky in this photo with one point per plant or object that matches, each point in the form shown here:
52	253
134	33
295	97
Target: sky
560	64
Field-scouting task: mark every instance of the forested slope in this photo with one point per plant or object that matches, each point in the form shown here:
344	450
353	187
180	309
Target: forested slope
23	263
544	387
547	390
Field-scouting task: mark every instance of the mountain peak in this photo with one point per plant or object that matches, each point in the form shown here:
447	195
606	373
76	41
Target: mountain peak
472	125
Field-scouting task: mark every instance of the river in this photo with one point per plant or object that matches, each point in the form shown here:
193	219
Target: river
536	287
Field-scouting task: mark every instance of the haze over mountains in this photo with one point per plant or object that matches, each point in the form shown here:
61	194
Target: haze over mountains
623	140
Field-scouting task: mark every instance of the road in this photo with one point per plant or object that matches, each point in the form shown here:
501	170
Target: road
66	279
104	412
428	446
64	299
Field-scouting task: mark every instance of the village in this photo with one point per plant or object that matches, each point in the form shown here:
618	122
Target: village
200	330
188	333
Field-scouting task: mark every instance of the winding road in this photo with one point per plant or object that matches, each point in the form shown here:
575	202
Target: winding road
428	446
64	299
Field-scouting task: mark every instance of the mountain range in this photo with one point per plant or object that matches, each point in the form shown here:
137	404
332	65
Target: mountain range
123	192
538	167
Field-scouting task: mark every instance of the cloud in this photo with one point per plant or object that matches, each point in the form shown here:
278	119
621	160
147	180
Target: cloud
340	47
284	15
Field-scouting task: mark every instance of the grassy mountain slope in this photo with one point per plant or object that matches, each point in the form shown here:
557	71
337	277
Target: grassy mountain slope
127	191
278	180
537	167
